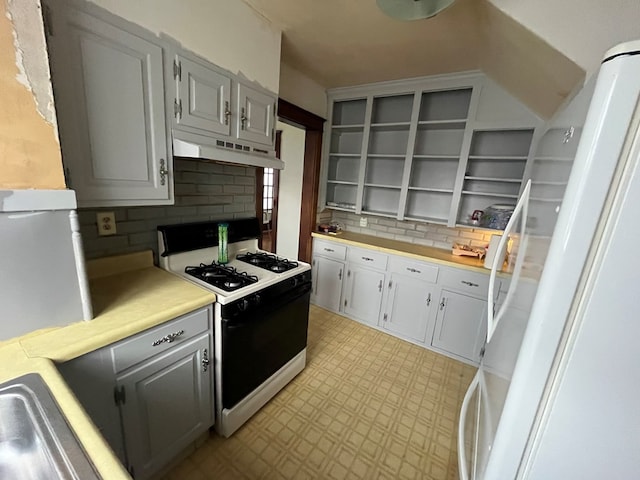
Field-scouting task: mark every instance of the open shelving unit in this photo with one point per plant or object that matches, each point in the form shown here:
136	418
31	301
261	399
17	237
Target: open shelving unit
494	171
345	152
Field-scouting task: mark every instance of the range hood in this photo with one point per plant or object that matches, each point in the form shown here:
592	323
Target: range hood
195	146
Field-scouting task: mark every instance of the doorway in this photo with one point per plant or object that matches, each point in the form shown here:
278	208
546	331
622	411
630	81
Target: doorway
267	194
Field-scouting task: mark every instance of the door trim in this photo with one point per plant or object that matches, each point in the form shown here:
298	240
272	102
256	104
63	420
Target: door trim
313	125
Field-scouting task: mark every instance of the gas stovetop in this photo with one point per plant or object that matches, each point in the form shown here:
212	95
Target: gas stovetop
222	276
268	261
191	250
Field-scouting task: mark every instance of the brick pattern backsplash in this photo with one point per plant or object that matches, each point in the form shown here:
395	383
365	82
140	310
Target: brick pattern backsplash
203	191
428	234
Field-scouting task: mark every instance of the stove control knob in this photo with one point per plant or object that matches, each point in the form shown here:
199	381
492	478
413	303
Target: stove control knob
243	304
257	299
295	281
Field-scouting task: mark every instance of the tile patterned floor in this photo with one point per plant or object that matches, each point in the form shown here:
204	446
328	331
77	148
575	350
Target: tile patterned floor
367	406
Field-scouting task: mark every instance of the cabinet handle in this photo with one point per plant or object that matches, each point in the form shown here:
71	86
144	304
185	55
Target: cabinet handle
568	135
227	113
348	273
380	286
429	300
442	303
384	317
390	283
367	259
329	249
340	275
164	173
314	262
413	270
205	360
243	118
168	338
471	284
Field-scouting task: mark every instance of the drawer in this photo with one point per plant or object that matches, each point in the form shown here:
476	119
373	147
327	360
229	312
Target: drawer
329	250
415	269
145	345
476	284
368	258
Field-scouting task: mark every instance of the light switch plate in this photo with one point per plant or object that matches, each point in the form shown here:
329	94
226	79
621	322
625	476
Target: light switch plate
363	221
106	223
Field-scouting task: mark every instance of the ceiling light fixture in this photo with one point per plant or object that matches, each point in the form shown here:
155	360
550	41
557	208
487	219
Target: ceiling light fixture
412	9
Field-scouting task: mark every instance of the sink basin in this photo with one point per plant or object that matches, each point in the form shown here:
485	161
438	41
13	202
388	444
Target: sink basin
35	440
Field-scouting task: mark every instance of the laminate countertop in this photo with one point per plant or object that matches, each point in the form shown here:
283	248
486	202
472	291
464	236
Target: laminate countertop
396	247
129	295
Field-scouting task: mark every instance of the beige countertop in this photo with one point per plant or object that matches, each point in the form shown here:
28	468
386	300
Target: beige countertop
129	295
396	247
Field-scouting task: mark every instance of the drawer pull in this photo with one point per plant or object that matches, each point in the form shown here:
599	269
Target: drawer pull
367	259
205	360
413	270
329	249
168	338
471	284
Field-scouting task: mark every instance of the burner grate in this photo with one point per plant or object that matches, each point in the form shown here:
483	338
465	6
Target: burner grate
267	261
221	276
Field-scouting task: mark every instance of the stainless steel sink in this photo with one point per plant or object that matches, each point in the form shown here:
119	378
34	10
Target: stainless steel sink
35	440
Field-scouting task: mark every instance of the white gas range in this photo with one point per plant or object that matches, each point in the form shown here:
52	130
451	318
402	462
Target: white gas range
261	312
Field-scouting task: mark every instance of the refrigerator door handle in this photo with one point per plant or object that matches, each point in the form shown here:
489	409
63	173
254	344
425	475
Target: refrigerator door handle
521	206
462	454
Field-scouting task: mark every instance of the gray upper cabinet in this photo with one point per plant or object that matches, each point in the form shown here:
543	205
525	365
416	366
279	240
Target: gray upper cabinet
203	99
214	107
256	115
108	83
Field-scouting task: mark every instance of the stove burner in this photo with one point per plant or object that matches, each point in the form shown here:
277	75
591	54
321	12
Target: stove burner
222	276
267	261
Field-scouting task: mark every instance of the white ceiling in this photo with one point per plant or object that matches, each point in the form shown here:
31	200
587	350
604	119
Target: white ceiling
340	42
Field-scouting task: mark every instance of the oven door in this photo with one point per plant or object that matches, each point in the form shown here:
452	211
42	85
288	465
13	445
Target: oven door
260	335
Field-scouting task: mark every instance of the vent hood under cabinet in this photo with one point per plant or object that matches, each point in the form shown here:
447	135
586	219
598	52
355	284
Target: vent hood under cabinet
190	146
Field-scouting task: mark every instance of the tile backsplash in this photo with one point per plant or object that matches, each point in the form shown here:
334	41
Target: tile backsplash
428	234
203	191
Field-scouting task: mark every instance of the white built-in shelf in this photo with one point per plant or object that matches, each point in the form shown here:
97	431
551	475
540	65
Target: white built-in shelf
355	126
391	126
489	194
386	155
546	200
508	158
341	182
437	190
352	155
553	159
494	179
380	213
436	157
418	218
442	125
379	185
558	184
338	206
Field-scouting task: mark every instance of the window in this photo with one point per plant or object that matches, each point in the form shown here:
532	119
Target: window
267	195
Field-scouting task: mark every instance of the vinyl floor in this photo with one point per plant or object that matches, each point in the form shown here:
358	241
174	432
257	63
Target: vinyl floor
367	406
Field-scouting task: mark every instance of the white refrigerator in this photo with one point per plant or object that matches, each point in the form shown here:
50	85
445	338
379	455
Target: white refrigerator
557	394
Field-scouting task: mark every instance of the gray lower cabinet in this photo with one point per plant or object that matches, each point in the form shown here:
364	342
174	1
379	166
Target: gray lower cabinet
150	395
409	307
165	404
363	294
460	325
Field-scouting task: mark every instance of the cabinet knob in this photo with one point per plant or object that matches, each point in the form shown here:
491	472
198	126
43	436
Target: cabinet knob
340	275
205	360
443	303
164	173
227	113
429	300
243	118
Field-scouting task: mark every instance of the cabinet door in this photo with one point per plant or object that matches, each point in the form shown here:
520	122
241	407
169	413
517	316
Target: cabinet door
327	283
256	114
409	307
167	404
460	325
109	92
363	294
204	97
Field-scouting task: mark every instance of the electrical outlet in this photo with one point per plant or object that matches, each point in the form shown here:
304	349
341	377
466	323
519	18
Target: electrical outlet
106	223
363	221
